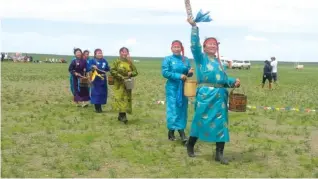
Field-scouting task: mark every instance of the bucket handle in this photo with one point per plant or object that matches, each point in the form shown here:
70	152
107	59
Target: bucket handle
236	88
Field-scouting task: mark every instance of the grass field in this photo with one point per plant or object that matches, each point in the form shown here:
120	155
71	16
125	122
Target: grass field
45	135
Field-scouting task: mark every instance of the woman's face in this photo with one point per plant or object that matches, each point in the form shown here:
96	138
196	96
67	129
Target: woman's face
86	55
176	49
99	54
211	47
124	53
78	54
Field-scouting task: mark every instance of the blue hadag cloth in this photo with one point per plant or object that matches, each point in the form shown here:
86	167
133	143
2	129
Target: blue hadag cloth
203	17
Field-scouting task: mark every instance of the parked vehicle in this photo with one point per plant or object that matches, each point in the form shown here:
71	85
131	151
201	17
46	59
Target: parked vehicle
241	64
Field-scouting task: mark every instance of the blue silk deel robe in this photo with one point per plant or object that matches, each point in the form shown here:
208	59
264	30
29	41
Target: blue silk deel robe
210	121
176	103
99	89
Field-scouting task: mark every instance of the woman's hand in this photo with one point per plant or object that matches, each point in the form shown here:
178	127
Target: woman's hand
129	74
191	70
183	77
191	22
237	83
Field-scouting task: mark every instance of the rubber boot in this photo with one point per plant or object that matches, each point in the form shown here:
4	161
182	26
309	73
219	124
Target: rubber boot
122	117
190	146
125	120
98	108
171	135
182	136
219	153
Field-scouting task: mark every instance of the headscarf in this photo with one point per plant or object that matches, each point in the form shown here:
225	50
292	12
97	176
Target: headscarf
177	42
217	46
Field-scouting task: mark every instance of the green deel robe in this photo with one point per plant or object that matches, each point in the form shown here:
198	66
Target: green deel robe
122	101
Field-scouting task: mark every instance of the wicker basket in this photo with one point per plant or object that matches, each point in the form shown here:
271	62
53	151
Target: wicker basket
237	101
190	88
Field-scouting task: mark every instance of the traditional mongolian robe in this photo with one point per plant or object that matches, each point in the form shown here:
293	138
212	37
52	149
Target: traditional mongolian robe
122	102
79	90
176	103
99	90
210	122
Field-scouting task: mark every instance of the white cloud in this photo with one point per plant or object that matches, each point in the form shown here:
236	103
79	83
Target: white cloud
261	15
253	38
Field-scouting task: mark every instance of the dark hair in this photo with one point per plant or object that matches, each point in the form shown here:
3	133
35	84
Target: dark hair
86	51
273	58
96	50
76	49
123	48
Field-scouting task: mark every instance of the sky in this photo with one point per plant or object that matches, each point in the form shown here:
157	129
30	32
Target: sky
247	29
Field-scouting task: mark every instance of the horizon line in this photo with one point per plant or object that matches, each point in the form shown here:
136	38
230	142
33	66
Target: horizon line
155	57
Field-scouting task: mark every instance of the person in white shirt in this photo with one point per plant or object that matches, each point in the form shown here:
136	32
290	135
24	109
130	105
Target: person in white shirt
274	69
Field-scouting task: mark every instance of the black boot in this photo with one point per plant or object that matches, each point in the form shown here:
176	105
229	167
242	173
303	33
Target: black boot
219	153
171	135
125	120
122	117
190	146
98	108
182	136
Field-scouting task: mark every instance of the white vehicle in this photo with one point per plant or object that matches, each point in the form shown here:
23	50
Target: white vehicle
241	64
225	60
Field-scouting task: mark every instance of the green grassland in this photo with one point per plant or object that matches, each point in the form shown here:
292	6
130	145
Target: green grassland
44	135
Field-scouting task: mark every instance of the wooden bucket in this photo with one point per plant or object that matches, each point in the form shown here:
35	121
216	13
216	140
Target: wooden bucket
84	82
190	88
237	101
110	80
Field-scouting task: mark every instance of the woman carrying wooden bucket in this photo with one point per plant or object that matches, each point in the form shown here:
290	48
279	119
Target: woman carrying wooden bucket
210	121
176	68
98	91
78	81
122	70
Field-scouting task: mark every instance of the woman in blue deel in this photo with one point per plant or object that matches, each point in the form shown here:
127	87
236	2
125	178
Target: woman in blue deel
99	67
210	121
176	68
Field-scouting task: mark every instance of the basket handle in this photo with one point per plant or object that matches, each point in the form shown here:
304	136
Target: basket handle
236	88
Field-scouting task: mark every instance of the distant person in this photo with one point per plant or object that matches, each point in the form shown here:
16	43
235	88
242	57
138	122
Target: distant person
2	56
122	69
79	84
176	68
267	74
99	90
88	59
274	69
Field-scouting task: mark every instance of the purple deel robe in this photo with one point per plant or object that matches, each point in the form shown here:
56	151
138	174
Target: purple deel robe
80	93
